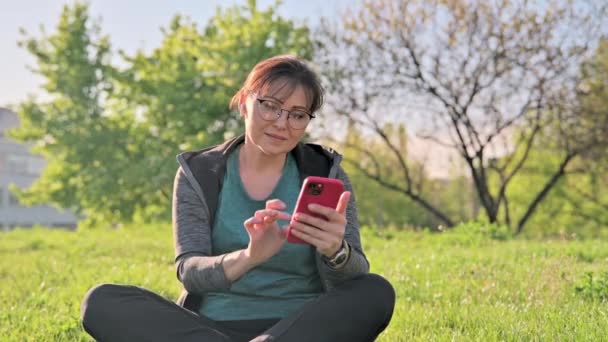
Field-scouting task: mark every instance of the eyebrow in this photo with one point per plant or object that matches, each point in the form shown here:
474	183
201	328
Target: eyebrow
270	97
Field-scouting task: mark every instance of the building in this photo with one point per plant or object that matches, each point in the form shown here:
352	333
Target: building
18	166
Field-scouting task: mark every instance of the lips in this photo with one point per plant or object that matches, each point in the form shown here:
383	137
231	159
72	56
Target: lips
277	137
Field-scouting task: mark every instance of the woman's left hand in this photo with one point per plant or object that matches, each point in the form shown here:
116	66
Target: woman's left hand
327	235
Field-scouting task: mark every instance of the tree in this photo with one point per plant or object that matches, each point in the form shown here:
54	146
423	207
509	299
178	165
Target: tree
378	207
592	96
111	134
577	203
581	200
487	79
70	129
580	125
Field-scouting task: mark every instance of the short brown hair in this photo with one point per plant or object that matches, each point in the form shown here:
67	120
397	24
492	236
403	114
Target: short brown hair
293	71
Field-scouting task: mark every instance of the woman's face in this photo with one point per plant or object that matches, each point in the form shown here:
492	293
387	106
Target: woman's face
273	137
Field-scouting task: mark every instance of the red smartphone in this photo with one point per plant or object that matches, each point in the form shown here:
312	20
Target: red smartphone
318	190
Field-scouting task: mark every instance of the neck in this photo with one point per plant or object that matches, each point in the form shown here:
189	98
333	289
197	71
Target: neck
252	159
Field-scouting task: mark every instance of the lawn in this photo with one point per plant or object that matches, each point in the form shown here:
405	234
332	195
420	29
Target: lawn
452	286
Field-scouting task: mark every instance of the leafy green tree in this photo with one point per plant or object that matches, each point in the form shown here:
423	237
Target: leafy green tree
182	89
70	129
111	134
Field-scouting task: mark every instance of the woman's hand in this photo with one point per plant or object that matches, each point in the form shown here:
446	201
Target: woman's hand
327	236
265	236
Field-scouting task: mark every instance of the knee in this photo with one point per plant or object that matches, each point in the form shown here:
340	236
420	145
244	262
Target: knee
380	295
97	304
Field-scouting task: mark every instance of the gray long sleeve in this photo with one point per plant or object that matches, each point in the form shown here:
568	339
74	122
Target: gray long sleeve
201	272
198	271
357	262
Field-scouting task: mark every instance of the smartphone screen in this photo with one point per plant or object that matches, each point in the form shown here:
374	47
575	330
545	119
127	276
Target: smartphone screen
318	190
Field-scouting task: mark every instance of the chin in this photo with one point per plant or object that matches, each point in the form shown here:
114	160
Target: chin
276	149
270	147
273	150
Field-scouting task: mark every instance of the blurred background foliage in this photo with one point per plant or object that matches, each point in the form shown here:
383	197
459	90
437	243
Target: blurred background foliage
111	133
110	130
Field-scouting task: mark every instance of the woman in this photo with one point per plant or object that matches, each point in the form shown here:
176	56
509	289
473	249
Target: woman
250	284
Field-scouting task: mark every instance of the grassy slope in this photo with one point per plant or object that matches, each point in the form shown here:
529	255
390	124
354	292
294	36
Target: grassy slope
448	287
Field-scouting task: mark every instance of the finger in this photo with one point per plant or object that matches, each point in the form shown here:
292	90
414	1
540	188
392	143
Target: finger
273	214
250	222
276	204
263	226
313	231
343	202
260	226
331	214
265	213
283	216
318	243
280	216
313	221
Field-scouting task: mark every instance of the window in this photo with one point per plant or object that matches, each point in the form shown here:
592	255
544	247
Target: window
12	200
23	164
16	163
35	165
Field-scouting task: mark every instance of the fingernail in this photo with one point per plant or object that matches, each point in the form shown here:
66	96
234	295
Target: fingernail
312	206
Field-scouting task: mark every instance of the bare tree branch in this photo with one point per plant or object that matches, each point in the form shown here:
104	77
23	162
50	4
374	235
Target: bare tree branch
428	206
478	67
543	192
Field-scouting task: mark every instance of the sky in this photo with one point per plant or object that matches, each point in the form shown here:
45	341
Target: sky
135	24
131	24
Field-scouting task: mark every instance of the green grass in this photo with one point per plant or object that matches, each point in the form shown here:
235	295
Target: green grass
449	287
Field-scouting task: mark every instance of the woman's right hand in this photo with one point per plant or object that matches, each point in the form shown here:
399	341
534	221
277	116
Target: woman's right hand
265	236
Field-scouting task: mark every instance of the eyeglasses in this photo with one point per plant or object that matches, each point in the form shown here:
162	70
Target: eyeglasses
271	110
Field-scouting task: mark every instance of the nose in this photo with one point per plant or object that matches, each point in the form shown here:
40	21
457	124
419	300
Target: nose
281	122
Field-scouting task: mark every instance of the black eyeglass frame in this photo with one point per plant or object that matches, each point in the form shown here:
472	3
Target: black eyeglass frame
280	111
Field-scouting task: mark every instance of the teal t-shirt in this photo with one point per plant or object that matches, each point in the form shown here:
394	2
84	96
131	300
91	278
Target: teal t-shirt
284	282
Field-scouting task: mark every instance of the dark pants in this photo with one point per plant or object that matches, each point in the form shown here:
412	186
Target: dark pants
357	310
